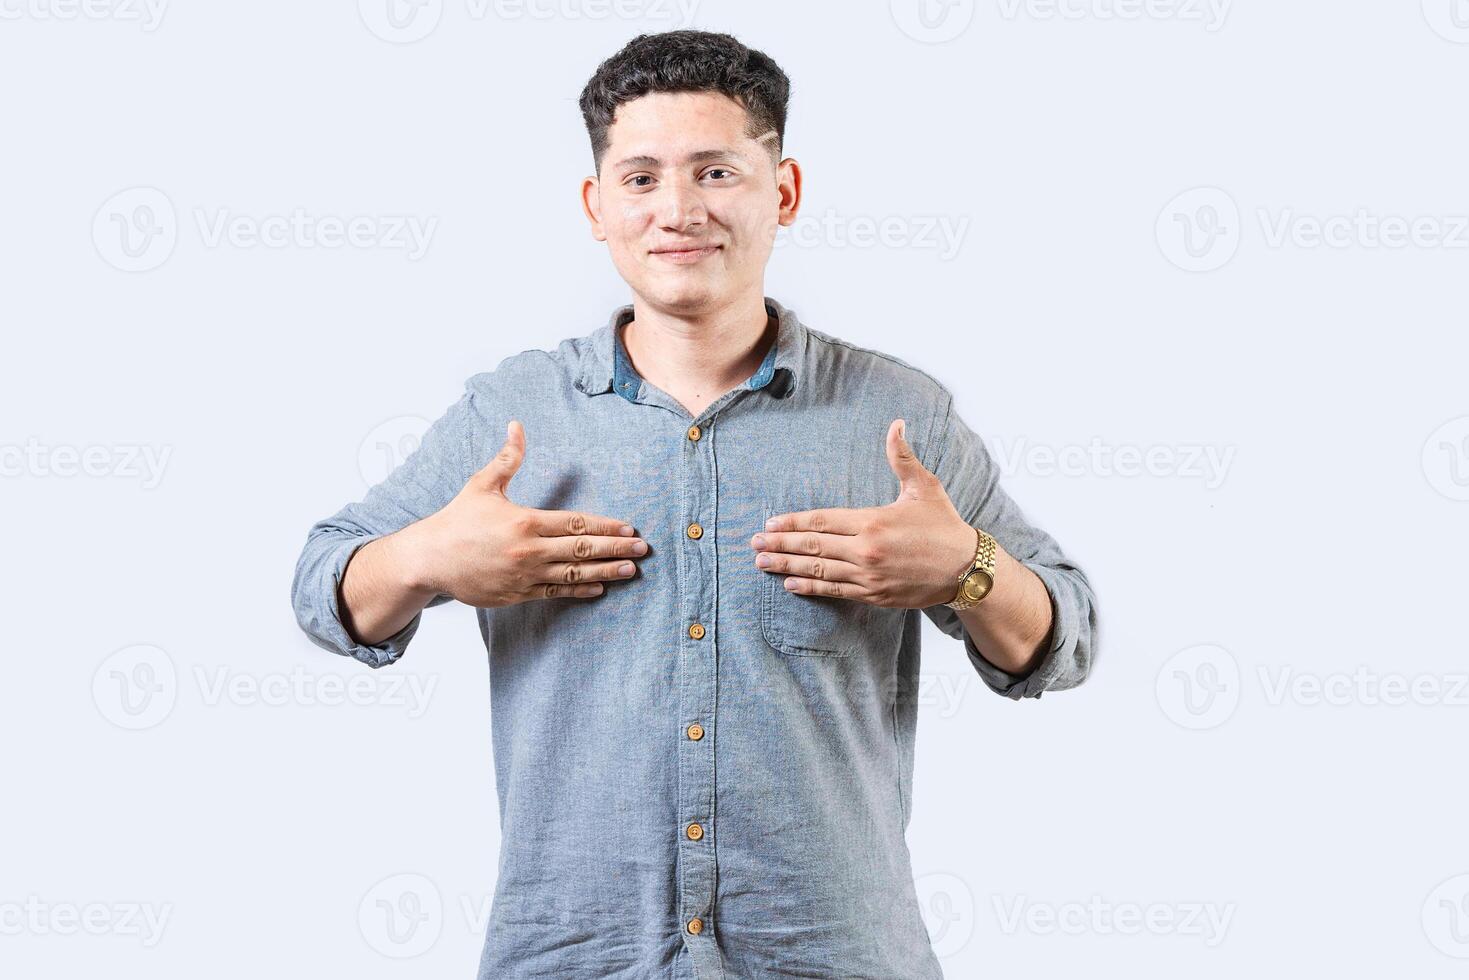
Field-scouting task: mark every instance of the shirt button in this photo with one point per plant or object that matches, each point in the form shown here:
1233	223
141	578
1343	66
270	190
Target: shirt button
695	832
695	531
696	731
694	433
696	925
697	631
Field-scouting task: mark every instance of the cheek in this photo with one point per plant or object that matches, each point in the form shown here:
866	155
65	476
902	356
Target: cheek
629	217
752	229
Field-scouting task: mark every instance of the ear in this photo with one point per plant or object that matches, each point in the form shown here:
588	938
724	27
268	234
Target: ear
788	185
591	205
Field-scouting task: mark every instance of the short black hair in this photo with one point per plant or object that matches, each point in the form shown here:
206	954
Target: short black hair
687	61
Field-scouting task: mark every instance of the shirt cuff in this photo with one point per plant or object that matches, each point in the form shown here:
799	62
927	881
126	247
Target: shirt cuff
325	624
1049	672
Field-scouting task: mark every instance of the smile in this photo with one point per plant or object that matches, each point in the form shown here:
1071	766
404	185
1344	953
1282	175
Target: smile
684	256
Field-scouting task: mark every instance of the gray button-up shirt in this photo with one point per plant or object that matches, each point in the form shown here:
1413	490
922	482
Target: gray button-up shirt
784	732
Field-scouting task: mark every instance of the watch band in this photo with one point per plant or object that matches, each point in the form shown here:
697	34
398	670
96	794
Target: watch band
984	563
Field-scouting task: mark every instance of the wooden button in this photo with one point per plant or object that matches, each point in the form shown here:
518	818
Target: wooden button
697	631
694	433
695	531
696	925
695	832
696	731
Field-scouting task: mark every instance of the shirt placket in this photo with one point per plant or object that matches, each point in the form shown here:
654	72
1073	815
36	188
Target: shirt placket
698	662
697	668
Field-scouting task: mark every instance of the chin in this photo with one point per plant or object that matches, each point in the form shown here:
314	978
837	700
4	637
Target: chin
685	297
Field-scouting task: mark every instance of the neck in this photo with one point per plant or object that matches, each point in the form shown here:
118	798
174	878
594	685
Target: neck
696	357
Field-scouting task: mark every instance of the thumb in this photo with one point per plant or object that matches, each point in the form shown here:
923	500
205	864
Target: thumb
910	472
495	476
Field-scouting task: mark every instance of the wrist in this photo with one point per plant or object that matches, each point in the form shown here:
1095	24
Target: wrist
957	555
412	556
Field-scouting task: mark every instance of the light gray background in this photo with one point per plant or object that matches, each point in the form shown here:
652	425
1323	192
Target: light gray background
1273	731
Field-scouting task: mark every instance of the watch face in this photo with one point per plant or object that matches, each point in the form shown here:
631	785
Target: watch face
977	584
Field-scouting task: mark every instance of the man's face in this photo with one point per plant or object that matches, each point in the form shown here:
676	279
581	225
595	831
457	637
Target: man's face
687	203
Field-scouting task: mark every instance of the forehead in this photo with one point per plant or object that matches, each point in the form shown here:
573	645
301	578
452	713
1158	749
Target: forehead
668	121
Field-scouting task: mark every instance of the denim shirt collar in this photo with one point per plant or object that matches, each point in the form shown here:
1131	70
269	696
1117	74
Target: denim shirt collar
605	365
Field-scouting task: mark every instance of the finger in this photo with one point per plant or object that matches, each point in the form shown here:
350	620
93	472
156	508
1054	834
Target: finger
494	476
554	523
571	573
585	547
818	543
833	588
828	571
827	520
560	590
912	477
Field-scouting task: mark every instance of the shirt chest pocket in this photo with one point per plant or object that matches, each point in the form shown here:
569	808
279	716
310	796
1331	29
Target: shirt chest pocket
814	626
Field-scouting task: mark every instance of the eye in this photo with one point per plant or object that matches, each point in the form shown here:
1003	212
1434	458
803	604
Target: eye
632	181
717	170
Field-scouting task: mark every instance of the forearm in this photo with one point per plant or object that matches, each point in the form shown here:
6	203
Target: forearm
1012	624
384	586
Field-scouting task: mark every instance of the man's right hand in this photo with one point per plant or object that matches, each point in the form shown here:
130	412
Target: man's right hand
485	550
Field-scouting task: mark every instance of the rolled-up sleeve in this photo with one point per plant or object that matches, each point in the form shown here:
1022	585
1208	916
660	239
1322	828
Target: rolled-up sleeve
958	457
423	483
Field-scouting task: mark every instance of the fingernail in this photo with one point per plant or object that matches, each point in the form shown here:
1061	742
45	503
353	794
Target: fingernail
626	530
770	524
625	568
902	428
762	560
639	547
759	541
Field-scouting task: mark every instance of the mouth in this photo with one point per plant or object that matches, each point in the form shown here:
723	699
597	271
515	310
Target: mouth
682	256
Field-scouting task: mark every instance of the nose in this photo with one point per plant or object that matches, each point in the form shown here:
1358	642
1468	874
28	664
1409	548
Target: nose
681	207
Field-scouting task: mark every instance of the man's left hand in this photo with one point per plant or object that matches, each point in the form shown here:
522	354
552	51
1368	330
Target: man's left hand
907	554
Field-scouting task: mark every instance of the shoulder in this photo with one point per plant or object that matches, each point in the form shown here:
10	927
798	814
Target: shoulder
841	356
532	370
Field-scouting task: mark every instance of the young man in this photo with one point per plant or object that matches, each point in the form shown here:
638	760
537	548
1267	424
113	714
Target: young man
699	539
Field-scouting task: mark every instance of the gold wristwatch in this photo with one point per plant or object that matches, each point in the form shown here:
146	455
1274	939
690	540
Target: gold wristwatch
979	577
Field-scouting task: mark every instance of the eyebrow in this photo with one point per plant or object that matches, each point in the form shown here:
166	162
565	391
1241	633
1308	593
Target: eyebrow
698	156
